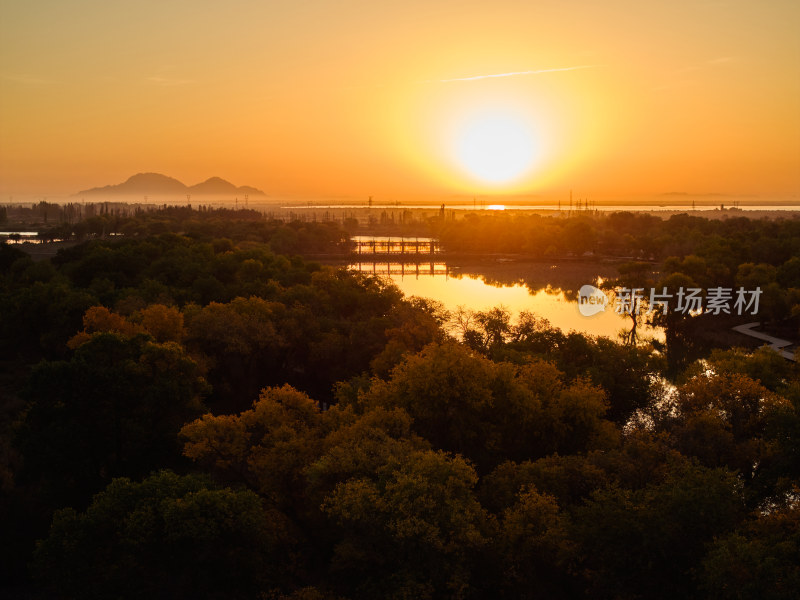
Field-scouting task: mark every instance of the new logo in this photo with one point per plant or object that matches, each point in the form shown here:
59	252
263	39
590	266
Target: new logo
591	300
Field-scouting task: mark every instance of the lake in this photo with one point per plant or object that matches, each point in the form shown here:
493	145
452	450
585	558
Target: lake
546	289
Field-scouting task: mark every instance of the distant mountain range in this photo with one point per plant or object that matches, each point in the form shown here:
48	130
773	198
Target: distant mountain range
155	184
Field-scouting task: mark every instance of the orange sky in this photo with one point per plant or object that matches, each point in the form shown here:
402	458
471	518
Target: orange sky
355	98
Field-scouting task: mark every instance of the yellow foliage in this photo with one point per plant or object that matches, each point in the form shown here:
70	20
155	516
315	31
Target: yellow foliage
100	319
164	323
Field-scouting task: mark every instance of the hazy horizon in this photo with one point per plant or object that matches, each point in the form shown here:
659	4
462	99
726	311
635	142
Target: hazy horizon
432	201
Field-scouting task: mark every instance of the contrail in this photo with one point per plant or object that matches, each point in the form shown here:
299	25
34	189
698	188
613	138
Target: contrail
512	74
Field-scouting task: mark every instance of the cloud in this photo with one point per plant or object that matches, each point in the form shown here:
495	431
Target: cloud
719	61
685	73
167	81
167	75
26	79
511	74
706	64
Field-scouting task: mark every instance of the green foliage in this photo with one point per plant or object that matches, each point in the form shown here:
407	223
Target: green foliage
534	548
488	411
39	318
265	448
187	270
9	254
788	274
166	537
761	559
645	543
202	223
412	529
520	462
321	326
731	421
358	445
625	373
113	409
569	479
763	365
705	249
241	340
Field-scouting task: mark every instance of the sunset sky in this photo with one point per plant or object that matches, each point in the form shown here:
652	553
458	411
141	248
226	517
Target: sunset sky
350	98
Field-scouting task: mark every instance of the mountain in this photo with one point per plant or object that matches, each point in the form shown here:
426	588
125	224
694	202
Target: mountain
155	184
215	185
141	183
219	187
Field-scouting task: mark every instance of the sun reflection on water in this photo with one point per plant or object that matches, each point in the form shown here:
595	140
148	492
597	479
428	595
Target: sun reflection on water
553	304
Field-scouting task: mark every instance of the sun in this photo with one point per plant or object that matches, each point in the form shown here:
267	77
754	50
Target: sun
495	147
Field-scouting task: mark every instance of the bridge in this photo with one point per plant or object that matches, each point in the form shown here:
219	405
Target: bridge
402	269
780	346
401	249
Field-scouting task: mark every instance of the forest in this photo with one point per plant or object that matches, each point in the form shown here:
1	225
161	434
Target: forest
195	409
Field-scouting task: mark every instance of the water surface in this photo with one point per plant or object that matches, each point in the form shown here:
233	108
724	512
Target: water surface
545	289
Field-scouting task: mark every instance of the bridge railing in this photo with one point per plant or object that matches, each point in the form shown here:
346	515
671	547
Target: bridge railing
401	247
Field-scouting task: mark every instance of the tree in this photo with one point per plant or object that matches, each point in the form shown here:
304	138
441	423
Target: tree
359	445
775	304
645	543
100	319
495	326
164	323
294	456
724	421
413	529
242	346
166	537
418	322
788	274
761	559
491	412
265	448
9	254
534	549
568	479
678	326
114	409
750	275
447	390
763	365
38	319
